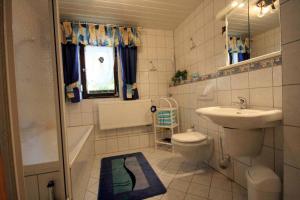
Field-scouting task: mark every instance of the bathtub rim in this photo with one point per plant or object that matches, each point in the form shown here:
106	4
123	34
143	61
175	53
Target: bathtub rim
76	151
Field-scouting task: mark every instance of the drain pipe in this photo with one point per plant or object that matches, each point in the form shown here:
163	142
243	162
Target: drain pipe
225	159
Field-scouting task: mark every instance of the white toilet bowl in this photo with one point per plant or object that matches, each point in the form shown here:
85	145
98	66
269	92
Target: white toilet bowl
193	146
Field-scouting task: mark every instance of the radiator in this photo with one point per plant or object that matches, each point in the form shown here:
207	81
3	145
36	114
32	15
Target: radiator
124	114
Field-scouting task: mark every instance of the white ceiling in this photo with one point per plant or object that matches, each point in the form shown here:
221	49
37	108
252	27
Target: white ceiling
161	14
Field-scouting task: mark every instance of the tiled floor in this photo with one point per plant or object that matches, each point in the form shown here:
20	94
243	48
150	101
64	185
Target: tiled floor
183	180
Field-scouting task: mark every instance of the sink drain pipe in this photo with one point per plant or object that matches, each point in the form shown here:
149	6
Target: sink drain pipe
225	159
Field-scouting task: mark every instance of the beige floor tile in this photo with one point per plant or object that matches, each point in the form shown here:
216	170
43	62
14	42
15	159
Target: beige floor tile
217	194
239	193
220	181
203	178
198	190
158	197
179	185
173	195
193	197
184	176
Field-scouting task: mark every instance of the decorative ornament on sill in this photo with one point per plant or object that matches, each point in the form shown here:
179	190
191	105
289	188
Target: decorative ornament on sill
101	59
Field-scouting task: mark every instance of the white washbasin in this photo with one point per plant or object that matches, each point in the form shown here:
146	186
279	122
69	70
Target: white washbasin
242	118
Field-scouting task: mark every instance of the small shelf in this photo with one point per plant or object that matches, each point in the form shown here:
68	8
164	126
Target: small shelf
162	141
166	113
171	126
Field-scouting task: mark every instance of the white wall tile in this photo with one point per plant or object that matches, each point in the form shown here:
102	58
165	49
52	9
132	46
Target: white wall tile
73	108
75	119
269	137
86	105
87	118
223	83
100	147
240	81
290	60
143	77
277	93
291	106
144	140
123	143
278	137
240	173
291	183
224	98
261	97
279	163
111	145
261	78
291	109
292	146
277	76
134	142
289	26
266	158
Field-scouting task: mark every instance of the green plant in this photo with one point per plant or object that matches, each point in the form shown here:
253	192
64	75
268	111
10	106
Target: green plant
179	75
184	74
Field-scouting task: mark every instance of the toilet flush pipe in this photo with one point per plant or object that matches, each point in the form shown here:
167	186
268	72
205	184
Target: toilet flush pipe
225	159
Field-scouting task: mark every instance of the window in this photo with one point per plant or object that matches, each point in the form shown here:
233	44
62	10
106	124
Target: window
99	71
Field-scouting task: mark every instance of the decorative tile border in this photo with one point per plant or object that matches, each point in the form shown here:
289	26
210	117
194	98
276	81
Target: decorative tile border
256	65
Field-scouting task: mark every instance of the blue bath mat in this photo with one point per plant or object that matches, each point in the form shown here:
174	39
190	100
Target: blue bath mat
128	177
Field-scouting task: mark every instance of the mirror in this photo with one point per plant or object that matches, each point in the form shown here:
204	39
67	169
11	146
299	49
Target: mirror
253	29
264	27
238	34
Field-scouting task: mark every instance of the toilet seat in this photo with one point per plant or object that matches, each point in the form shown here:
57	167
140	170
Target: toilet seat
189	137
193	146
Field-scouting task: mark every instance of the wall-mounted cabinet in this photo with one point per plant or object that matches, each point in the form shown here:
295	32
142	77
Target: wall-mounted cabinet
252	29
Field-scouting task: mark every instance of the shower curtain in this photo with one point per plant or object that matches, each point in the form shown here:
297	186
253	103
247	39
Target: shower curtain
128	61
70	55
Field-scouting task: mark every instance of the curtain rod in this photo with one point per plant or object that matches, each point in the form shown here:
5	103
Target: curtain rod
86	22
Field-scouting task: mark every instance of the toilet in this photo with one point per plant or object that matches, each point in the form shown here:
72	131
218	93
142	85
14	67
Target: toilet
193	146
262	184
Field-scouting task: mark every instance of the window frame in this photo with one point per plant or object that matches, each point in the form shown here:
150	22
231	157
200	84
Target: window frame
85	94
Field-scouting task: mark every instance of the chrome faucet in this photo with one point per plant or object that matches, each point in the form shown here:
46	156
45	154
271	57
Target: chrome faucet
243	102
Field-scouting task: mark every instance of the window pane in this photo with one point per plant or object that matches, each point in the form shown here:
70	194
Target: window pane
99	69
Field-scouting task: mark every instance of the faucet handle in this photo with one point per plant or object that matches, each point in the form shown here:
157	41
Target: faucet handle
243	102
242	99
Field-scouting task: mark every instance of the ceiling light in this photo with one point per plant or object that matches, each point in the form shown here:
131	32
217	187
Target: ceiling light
241	5
261	12
273	7
266	10
234	4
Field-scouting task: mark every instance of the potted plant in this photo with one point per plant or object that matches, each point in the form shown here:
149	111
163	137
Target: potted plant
179	77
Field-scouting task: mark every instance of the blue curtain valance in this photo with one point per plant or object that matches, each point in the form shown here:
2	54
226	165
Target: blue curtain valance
99	35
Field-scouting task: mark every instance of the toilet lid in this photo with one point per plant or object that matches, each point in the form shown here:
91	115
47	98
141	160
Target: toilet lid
189	137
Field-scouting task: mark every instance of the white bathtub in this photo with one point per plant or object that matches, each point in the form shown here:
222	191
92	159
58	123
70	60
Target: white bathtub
81	147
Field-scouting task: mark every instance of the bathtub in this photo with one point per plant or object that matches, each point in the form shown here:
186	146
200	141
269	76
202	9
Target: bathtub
81	148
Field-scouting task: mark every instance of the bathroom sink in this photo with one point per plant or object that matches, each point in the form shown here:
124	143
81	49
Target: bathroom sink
230	117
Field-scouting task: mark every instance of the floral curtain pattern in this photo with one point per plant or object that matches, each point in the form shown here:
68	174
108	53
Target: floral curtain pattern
99	35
